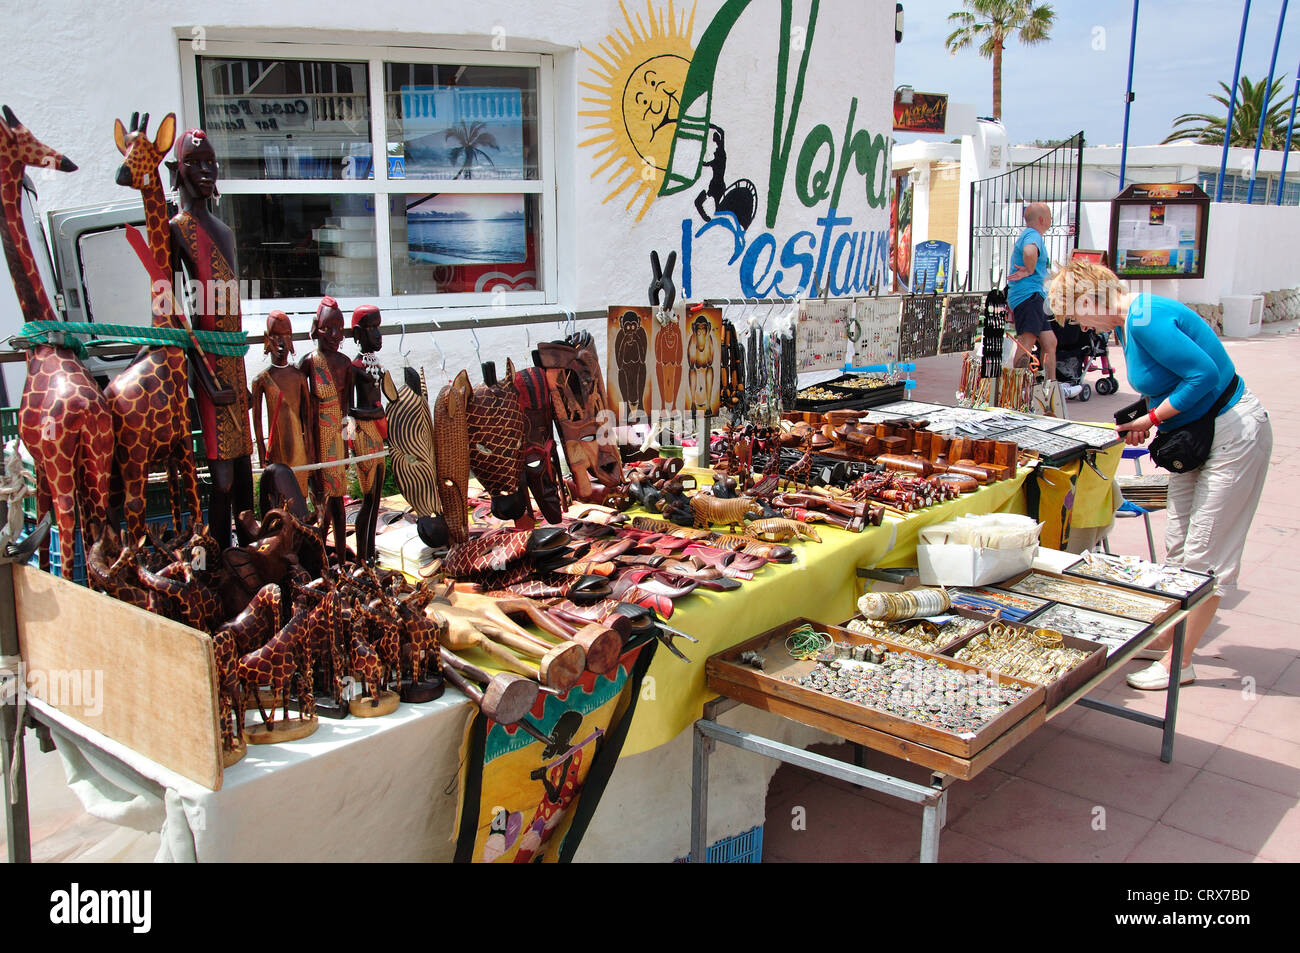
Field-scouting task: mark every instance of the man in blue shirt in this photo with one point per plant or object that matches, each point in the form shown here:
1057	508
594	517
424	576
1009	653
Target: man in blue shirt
1026	290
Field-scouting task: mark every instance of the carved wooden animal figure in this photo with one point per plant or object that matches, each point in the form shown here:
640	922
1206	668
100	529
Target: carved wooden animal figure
230	695
63	419
148	400
273	665
709	509
255	626
110	568
779	530
363	661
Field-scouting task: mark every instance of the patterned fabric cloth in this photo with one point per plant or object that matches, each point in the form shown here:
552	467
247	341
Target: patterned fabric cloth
368	440
329	414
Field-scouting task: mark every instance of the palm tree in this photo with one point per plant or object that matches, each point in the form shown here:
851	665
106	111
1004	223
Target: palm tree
991	23
473	140
1252	103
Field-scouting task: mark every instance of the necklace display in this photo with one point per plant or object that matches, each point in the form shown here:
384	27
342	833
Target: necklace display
1039	655
1132	605
920	690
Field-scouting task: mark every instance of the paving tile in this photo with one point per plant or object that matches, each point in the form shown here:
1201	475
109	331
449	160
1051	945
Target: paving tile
1047	825
1276	578
1013	760
957	848
1240	815
1289	680
1196	738
1269	603
1260	759
1108	775
1169	845
1220	699
1276	713
1234	655
840	828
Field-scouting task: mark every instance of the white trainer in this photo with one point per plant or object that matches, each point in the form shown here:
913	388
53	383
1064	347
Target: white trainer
1154	678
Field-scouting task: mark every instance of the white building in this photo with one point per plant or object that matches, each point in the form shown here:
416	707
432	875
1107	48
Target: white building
557	211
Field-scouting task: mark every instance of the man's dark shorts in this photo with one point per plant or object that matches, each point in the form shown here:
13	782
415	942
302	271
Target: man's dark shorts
1029	316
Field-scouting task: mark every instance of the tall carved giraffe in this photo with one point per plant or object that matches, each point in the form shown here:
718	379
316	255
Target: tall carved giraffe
63	419
148	400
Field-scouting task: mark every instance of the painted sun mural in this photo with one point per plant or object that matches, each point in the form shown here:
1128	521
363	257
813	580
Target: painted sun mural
638	77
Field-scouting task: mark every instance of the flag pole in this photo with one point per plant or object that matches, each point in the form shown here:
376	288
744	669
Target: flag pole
1232	103
1263	109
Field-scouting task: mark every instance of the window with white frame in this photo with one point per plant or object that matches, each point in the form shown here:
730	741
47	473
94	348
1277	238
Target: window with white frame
459	211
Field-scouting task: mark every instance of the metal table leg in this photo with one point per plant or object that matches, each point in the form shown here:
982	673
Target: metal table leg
1171	695
933	798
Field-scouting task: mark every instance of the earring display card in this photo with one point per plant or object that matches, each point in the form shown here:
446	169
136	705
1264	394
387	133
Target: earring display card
1045	423
919	327
822	334
1098	438
961	322
878	324
1111	631
908	408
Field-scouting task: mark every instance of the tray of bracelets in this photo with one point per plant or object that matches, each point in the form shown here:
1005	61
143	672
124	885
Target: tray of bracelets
1098	596
990	602
1035	653
1131	572
1111	631
934	635
943	712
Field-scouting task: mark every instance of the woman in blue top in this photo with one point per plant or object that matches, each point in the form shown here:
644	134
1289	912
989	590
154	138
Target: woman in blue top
1176	361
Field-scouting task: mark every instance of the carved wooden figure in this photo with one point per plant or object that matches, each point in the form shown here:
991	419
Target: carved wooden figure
149	400
204	246
63	419
274	666
329	381
283	389
370	381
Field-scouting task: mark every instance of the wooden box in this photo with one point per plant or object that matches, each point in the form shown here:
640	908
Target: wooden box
768	690
1064	686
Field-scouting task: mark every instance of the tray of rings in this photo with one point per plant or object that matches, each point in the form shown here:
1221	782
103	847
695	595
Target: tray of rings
929	709
1034	653
1133	572
934	634
1098	596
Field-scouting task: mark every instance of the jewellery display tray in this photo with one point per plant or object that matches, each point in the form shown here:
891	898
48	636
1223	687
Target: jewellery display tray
942	649
1063	687
851	399
963	756
1078	570
1171	605
1143	629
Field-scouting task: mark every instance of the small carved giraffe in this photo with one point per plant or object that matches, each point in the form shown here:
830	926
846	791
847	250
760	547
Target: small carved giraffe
63	419
274	665
148	400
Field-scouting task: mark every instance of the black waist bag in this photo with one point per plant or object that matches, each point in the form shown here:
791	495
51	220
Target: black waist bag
1187	448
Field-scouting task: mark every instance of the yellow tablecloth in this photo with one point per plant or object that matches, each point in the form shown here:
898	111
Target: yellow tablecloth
822	585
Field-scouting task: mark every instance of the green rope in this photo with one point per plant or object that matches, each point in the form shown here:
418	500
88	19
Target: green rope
221	343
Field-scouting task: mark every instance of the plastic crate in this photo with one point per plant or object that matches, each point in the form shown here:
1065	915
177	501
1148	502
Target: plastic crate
56	556
744	848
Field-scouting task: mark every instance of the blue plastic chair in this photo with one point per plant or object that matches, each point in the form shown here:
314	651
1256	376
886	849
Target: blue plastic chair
1129	509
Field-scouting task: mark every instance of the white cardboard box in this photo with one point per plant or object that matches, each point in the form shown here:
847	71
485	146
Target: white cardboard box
957	564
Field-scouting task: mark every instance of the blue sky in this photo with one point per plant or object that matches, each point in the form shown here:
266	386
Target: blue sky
1184	48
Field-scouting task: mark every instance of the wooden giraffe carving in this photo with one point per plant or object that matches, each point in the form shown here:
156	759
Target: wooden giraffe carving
63	419
148	400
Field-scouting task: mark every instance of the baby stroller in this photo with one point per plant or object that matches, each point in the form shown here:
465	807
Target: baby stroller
1078	353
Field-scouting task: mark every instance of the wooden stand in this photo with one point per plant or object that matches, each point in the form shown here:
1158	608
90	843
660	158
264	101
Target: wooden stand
425	690
371	706
282	730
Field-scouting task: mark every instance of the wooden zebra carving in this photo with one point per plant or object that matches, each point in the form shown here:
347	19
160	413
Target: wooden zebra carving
411	447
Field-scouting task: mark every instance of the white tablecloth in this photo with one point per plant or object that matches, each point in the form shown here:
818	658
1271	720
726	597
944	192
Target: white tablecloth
358	789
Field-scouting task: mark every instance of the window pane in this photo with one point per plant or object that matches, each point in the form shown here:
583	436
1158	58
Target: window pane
304	246
454	242
461	122
287	119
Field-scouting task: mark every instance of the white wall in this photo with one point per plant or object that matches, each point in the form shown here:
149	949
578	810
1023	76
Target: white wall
1251	250
71	68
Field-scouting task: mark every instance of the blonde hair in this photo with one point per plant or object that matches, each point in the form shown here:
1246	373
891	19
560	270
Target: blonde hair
1078	279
